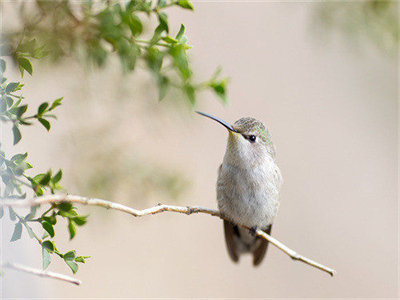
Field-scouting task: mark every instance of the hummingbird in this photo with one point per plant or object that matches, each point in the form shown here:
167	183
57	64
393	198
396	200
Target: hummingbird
248	187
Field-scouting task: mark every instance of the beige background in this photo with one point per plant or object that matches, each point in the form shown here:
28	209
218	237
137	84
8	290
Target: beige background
331	106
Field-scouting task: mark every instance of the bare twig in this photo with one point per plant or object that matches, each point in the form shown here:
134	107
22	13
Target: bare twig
41	273
49	199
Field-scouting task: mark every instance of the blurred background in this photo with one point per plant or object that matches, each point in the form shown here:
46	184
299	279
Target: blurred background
322	76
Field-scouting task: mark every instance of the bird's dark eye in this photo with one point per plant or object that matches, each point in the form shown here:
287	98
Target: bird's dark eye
252	138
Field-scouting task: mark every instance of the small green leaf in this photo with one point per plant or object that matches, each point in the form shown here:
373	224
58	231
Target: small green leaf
13	216
80	220
45	123
190	93
30	231
52	219
80	259
48	227
46	258
185	4
71	229
2	65
73	265
70	255
24	63
11	87
9	101
17	134
219	88
17	232
31	214
56	103
42	108
163	19
57	177
178	53
169	40
163	84
64	206
20	110
3	105
17	158
43	178
49	245
181	32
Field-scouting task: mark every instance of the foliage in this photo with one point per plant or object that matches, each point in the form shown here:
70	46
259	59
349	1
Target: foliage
95	31
375	21
54	30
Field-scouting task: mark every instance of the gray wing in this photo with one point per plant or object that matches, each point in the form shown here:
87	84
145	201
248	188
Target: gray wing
260	251
231	245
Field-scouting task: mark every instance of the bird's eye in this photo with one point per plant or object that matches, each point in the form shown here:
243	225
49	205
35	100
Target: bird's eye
252	138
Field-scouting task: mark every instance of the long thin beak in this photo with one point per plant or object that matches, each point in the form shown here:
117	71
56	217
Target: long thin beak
222	122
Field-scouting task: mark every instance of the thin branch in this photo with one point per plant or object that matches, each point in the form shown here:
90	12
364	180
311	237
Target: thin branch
41	273
188	210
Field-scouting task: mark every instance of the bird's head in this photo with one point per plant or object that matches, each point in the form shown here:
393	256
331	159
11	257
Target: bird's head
249	142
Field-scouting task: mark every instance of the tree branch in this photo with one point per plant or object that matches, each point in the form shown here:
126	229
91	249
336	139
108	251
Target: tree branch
41	273
188	210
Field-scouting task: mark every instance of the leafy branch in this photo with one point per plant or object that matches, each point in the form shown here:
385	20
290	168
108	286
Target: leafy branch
138	33
69	199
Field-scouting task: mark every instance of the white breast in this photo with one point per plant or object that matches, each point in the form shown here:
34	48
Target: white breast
249	196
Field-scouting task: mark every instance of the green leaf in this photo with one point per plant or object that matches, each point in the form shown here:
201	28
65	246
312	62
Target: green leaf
17	134
17	232
169	40
3	105
134	23
181	32
163	19
178	53
71	229
11	87
80	220
2	65
73	265
163	84
10	101
80	259
45	123
1	212
20	110
17	158
185	4
57	177
30	231
25	64
52	219
56	103
190	93
70	255
13	216
48	227
157	34
64	206
42	108
43	178
220	88
46	258
49	245
31	214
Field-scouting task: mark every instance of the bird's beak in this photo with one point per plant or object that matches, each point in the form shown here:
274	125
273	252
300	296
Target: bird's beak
222	122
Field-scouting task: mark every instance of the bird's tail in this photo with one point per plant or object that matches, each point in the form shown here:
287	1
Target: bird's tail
239	240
